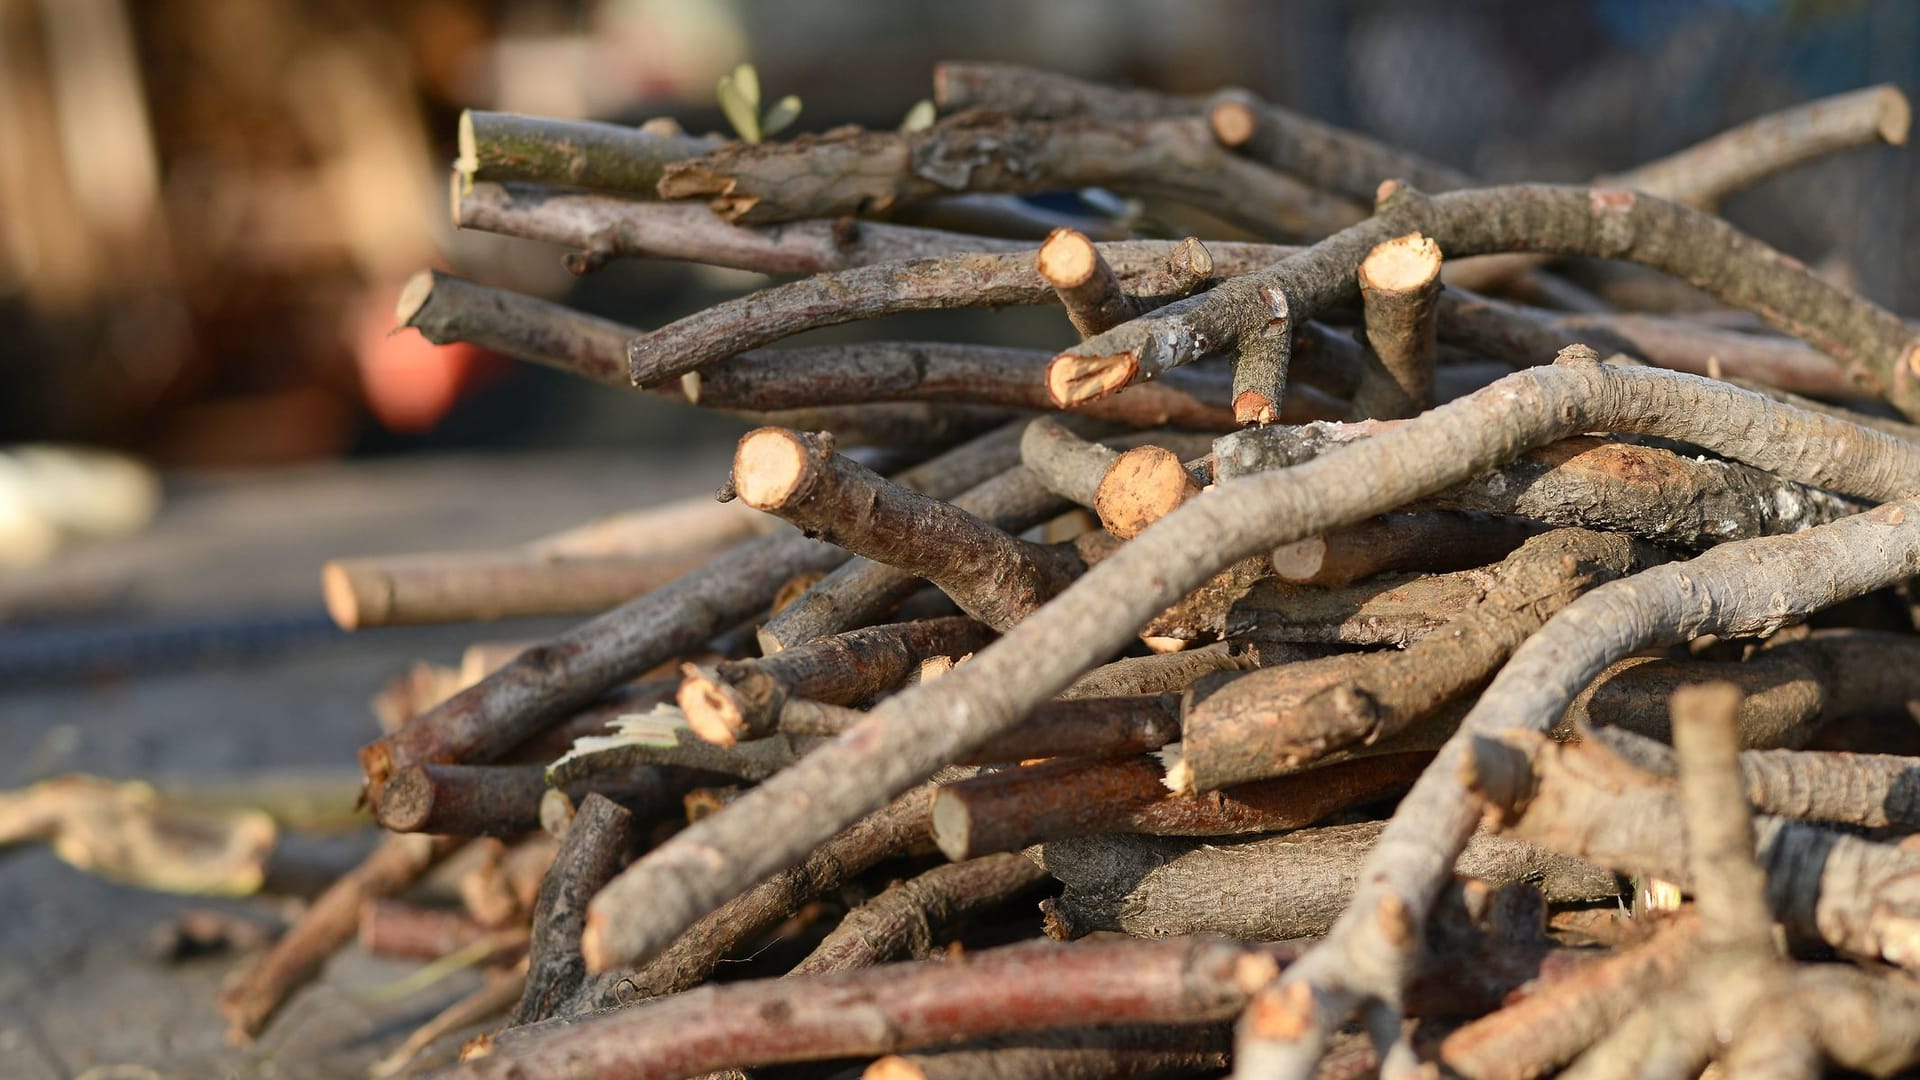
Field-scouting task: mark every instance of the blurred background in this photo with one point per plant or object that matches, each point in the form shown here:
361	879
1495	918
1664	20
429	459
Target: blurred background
206	206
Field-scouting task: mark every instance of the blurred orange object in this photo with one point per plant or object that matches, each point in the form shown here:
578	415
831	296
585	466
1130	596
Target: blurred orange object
409	382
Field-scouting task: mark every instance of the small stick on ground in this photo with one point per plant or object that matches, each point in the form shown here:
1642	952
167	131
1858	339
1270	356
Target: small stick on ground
407	931
1011	810
742	699
480	587
594	850
254	992
910	917
1399	293
897	1007
495	996
1087	287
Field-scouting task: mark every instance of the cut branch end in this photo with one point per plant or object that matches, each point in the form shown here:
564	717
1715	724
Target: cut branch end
770	468
711	709
1074	379
1067	259
1143	485
1252	407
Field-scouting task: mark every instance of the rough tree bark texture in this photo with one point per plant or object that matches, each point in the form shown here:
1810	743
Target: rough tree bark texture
910	735
594	850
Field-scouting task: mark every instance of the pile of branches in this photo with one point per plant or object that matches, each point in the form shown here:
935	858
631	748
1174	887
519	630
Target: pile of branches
1372	643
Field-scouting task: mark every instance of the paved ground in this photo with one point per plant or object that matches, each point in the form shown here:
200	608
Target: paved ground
233	674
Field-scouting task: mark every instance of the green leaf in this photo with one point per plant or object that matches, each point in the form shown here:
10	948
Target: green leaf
740	112
748	81
781	116
920	117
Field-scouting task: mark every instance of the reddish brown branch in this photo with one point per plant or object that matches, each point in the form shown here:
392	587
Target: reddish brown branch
898	1007
1075	727
1096	1053
394	928
1326	157
1008	811
254	992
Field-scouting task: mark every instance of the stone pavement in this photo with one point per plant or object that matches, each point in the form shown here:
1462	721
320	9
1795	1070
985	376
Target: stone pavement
239	557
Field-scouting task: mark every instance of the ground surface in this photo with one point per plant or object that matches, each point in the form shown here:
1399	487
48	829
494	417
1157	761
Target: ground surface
231	672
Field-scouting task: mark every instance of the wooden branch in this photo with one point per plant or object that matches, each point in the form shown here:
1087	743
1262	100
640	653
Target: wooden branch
1547	1029
811	379
1393	609
1704	173
552	679
1399	294
1034	94
898	1007
1729	889
1092	293
1333	160
1142	267
496	995
1269	720
1096	1053
850	171
594	850
909	735
884	834
1873	791
1519	335
1824	886
1130	489
397	929
1260	888
1756	585
254	992
1655	494
1439	542
1872	343
576	153
994	576
1077	727
1011	810
742	699
603	227
910	917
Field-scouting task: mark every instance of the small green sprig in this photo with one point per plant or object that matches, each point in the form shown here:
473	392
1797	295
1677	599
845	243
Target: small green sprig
740	100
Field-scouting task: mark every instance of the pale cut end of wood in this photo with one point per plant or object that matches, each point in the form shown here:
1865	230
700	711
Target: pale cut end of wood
354	599
1073	379
556	813
1403	264
468	161
1179	778
1067	259
1252	407
593	950
1192	259
1162	645
1896	116
711	710
893	1067
406	802
1302	560
770	467
950	825
1233	123
457	188
413	297
1142	486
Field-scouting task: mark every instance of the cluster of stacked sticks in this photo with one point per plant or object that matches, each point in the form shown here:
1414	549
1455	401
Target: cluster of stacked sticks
1358	668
